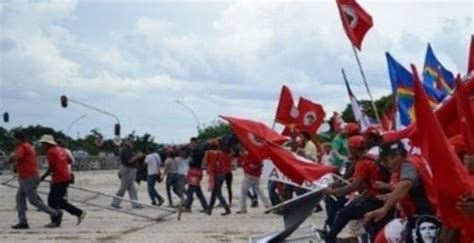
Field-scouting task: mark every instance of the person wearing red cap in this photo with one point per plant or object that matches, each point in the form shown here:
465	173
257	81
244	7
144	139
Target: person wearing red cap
366	172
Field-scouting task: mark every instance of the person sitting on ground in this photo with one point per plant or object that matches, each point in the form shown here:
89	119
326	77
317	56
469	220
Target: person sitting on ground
411	185
365	174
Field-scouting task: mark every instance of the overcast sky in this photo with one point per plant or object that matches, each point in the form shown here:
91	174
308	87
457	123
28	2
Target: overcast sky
135	58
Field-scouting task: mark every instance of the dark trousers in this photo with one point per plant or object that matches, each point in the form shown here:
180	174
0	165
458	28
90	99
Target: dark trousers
252	194
57	200
195	189
274	198
151	181
354	210
173	183
332	207
217	192
228	182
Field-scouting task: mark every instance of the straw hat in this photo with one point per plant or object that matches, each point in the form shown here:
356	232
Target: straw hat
47	139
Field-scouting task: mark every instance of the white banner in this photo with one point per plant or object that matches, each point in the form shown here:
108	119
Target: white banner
270	172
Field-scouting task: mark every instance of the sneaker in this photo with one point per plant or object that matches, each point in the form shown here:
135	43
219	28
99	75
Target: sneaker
116	206
57	219
81	217
21	226
225	213
241	212
51	225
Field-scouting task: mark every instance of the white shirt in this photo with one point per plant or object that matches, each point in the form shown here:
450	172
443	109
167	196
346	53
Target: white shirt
153	162
183	165
311	151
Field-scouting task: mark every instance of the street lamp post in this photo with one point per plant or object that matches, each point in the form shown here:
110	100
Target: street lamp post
192	112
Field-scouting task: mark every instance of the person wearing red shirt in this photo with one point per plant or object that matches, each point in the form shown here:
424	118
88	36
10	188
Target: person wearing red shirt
226	161
216	179
28	180
412	189
58	161
252	171
366	172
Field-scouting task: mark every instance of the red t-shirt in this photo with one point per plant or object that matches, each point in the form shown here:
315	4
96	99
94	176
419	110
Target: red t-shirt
367	171
225	160
58	161
27	165
212	160
251	167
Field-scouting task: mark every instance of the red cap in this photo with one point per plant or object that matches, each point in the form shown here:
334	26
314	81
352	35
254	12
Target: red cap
351	129
356	142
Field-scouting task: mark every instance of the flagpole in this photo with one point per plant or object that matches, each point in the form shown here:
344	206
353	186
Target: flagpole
366	85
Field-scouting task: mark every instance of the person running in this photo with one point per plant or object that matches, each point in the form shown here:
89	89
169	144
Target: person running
216	179
252	171
153	162
28	179
127	174
194	176
58	162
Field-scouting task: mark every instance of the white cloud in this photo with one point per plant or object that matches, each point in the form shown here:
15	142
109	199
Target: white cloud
236	67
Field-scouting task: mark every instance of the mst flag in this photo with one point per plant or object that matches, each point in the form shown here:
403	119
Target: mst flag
355	20
311	116
450	179
465	115
253	135
295	167
286	111
470	65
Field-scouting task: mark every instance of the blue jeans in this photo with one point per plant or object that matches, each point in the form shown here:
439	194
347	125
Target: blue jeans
151	181
274	198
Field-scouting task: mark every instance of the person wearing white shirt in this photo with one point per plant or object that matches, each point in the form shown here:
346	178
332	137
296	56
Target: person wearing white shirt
309	149
153	162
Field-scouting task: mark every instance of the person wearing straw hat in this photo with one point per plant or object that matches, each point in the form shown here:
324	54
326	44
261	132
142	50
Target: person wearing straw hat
58	161
28	180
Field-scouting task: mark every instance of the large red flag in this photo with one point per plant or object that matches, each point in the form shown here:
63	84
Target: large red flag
286	111
295	167
311	116
253	135
355	20
465	115
450	179
470	65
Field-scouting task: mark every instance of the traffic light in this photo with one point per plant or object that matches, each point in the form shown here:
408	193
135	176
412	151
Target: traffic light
117	129
63	101
6	117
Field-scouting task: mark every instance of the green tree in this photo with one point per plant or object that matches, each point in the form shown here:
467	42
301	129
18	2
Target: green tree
215	129
383	105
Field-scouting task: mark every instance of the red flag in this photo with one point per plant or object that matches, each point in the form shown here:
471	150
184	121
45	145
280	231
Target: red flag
450	178
286	111
470	66
355	20
295	167
465	115
311	116
253	135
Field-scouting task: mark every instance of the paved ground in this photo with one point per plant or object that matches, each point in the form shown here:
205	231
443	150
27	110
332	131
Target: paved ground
108	226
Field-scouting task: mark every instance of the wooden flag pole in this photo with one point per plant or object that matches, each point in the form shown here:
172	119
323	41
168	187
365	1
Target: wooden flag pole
366	85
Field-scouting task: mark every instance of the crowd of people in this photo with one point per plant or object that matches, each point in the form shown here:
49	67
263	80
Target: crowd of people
386	186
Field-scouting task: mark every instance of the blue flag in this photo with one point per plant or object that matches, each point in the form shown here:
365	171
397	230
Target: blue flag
435	75
403	87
